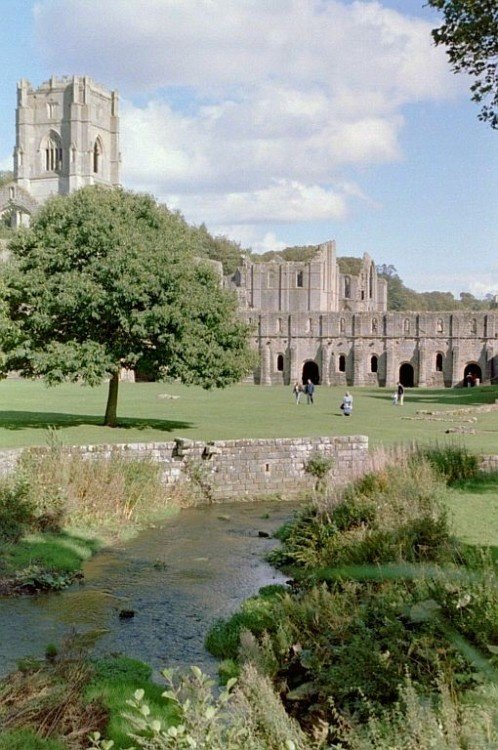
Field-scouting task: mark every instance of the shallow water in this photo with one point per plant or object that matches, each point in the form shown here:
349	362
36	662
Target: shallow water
178	578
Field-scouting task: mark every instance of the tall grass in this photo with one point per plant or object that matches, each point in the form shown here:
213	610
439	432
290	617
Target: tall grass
380	585
443	723
452	461
109	495
60	505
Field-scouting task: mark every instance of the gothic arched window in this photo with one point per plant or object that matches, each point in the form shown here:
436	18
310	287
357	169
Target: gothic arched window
439	362
280	363
371	281
52	153
374	364
342	363
347	287
300	279
97	156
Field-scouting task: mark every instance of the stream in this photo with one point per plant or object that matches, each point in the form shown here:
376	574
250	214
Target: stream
177	577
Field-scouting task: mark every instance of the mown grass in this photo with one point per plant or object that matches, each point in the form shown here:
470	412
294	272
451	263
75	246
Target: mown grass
161	411
474	510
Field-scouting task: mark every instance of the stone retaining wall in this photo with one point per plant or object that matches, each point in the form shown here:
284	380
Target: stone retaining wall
230	469
489	463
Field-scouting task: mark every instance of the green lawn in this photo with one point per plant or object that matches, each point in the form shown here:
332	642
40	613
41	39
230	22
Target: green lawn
474	511
28	408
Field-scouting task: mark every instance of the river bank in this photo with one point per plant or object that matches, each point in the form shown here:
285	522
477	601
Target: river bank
176	576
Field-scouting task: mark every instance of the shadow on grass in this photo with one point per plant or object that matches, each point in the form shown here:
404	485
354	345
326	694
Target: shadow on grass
20	420
482	484
450	396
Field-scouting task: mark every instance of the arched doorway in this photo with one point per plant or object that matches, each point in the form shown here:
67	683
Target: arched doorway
472	374
311	372
406	376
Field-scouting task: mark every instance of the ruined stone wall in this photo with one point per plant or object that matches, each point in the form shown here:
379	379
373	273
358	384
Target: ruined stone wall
75	118
368	349
237	469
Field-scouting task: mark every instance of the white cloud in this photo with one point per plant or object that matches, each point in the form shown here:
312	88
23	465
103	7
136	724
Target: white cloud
249	236
220	43
284	201
249	111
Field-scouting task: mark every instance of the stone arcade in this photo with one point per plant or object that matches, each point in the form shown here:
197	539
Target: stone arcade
325	318
311	320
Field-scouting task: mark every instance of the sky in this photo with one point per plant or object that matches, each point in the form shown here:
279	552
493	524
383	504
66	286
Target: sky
284	122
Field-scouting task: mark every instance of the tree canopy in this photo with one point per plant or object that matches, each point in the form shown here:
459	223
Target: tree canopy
219	248
470	34
106	279
301	253
5	177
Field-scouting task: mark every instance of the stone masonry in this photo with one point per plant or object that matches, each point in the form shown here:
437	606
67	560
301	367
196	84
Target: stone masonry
67	137
237	469
323	319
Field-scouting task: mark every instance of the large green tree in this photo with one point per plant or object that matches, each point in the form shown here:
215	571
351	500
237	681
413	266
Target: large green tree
106	279
470	34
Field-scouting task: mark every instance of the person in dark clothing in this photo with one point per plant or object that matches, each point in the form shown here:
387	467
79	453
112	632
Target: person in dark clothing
401	393
309	389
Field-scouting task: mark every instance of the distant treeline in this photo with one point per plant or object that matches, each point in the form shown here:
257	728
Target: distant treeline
230	254
400	297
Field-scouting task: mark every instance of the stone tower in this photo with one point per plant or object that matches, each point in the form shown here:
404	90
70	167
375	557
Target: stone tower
67	137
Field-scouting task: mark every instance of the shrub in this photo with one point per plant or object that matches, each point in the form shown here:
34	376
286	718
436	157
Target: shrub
397	515
249	716
228	670
378	590
16	510
319	466
453	462
444	723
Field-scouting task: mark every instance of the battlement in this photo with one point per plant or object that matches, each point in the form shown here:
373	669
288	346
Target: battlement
59	83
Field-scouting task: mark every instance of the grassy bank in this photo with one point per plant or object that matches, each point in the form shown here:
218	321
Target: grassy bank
384	599
162	411
387	640
58	509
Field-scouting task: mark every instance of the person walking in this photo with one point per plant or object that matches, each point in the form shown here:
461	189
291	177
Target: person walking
310	389
401	393
347	404
297	390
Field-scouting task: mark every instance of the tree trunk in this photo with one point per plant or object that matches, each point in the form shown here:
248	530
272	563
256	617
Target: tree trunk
112	402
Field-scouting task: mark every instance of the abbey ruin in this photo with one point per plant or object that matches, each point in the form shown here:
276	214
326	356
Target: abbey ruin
325	318
67	137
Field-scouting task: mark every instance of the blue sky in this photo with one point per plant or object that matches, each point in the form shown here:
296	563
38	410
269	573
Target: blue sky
283	122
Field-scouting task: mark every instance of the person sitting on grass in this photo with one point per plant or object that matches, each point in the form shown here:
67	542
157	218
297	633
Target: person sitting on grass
347	404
